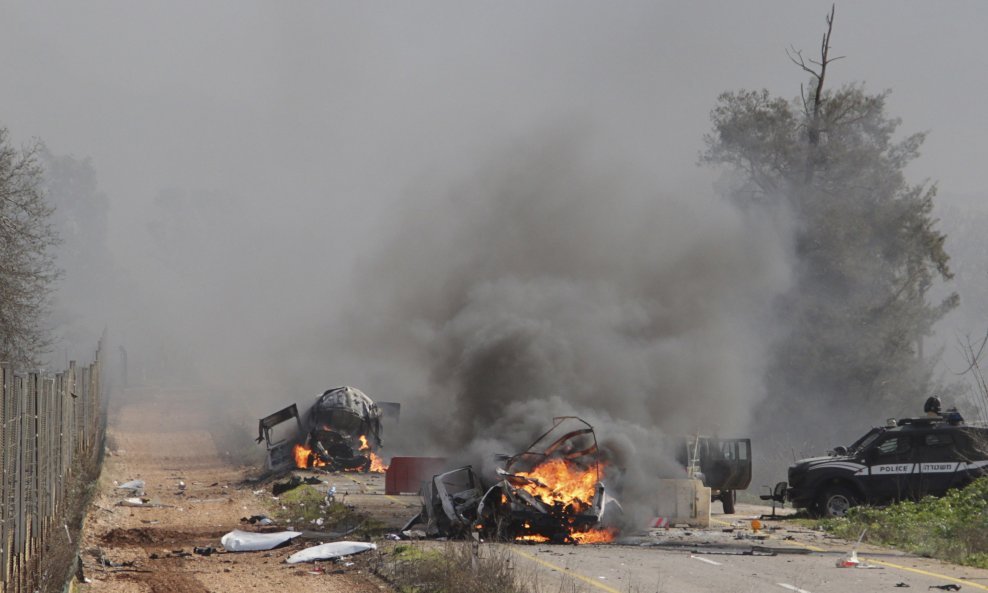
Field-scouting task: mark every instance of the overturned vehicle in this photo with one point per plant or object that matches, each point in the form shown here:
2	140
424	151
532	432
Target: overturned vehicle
341	432
552	492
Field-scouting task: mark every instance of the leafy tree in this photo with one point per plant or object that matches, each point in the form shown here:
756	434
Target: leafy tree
82	302
866	247
27	268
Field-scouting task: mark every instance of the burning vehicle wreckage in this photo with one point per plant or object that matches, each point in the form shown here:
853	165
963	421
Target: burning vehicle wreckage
552	492
341	432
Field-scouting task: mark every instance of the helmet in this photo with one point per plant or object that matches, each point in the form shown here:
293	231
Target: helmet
932	405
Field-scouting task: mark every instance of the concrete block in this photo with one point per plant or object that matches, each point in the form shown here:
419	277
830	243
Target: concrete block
683	501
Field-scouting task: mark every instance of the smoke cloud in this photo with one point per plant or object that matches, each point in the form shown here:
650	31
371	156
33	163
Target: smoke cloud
548	282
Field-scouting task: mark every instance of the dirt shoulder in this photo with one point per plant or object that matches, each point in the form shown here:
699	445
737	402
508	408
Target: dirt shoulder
165	440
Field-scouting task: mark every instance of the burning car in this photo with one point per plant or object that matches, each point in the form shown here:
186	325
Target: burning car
341	432
552	492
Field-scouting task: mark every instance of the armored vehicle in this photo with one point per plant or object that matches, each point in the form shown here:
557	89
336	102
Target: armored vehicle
907	459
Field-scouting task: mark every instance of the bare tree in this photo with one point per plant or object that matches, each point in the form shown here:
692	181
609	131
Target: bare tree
973	353
27	268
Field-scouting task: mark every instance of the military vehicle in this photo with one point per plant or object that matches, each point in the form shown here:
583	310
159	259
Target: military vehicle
723	465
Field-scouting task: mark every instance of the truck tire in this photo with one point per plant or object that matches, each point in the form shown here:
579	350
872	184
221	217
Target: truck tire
728	498
836	501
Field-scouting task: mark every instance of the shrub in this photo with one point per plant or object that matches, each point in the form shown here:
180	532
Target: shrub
450	569
953	527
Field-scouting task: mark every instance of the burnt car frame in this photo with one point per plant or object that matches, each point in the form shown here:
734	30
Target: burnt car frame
457	502
330	431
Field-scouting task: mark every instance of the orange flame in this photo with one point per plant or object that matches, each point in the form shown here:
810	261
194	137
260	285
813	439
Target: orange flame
302	455
594	536
561	482
377	464
556	480
539	539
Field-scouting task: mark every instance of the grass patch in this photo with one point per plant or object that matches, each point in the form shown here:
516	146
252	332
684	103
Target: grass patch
306	508
450	568
953	527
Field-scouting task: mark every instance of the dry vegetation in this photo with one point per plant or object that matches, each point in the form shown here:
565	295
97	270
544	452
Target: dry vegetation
451	568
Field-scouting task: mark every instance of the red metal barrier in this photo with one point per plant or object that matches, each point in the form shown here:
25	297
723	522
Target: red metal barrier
406	474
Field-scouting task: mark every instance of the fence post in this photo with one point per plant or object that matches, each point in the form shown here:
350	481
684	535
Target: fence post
46	425
5	479
71	399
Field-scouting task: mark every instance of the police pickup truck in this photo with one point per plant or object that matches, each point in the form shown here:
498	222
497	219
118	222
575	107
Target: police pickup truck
908	459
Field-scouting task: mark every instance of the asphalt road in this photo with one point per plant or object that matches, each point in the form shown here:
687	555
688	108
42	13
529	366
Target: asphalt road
727	557
714	560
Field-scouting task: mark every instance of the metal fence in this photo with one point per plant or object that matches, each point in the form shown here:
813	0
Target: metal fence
51	430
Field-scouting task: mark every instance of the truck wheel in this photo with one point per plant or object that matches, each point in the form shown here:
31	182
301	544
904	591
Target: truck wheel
728	498
836	501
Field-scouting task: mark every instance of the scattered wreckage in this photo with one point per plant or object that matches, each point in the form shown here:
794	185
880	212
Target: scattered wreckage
552	492
342	431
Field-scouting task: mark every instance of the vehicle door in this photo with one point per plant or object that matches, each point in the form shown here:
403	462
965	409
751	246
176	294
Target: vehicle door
937	458
725	463
971	446
891	467
737	454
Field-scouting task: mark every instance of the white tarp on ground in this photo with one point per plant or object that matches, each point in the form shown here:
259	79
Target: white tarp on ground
329	551
132	485
137	502
247	541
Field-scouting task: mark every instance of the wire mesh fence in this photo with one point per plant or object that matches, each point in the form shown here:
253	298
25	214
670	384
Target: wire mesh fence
51	431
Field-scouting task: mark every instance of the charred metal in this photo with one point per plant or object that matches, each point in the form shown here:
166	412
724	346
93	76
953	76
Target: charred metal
341	431
553	491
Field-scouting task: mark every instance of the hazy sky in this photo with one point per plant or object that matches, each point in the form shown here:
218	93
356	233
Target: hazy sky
322	122
303	105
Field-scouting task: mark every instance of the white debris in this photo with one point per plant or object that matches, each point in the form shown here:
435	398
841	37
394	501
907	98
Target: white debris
330	551
247	541
136	485
136	502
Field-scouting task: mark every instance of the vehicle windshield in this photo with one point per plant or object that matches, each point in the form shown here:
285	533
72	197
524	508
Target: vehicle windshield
867	439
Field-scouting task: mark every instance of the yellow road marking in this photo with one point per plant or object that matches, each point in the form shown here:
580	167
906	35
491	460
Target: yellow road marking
900	567
712	520
401	502
804	546
604	587
927	573
566	571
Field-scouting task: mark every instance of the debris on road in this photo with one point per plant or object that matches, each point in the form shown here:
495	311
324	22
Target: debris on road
107	563
257	519
947	587
247	541
330	551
